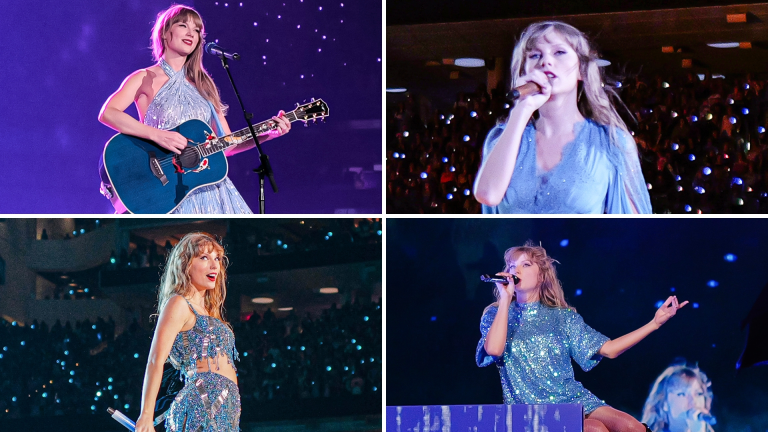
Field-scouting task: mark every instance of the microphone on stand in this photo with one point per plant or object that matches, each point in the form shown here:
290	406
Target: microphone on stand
524	90
498	279
212	48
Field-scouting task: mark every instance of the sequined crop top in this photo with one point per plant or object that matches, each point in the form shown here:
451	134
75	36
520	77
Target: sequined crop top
207	339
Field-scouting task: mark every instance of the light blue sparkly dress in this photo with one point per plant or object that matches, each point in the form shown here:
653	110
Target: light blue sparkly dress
593	176
209	402
176	102
536	365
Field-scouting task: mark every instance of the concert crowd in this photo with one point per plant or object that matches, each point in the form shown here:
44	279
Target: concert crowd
701	141
83	368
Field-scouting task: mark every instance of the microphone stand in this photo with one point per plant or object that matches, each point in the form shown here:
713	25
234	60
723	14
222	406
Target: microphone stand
265	169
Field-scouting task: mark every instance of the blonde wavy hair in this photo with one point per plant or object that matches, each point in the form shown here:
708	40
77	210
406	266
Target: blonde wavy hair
176	279
550	290
596	103
196	73
675	376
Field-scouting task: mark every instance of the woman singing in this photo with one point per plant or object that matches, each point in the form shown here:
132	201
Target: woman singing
680	401
531	334
563	149
171	92
192	335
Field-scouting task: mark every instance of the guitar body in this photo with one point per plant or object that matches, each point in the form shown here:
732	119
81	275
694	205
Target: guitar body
129	163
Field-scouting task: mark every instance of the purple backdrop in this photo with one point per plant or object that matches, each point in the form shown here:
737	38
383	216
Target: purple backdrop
63	59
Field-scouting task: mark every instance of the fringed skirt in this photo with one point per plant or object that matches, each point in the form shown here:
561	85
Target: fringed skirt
209	402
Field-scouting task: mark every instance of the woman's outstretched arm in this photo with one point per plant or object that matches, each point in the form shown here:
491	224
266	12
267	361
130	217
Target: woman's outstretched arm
170	323
614	348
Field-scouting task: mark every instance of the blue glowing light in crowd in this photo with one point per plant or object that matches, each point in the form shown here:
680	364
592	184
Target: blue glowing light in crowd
473	114
659	303
109	379
279	242
93	407
730	257
112	260
760	129
694	118
745	111
434	318
466	138
136	355
449	196
378	232
346	368
405	134
695	305
302	348
33	326
445	159
618	84
72	372
691	157
45	395
13	399
98	393
687	208
563	242
452	169
713	283
678	178
699	189
423	175
466	192
86	290
578	292
274	365
328	368
93	327
23	343
732	120
707	170
126	406
71	292
737	181
396	155
359	347
285	246
70	381
672	289
109	387
365	318
675	146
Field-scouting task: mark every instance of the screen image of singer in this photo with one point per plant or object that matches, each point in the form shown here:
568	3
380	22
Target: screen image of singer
689	100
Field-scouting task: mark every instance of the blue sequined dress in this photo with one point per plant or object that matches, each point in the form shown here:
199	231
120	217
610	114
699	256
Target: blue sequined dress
536	365
209	402
594	175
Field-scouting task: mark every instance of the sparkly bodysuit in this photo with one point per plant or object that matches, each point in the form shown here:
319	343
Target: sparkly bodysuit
176	102
536	365
209	402
593	176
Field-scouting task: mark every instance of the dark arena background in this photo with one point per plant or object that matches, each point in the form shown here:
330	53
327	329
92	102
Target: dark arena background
68	58
614	272
303	297
691	73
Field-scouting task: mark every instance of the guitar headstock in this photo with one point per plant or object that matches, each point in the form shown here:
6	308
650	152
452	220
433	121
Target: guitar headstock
312	111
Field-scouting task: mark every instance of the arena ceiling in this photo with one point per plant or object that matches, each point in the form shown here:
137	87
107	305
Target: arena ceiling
631	41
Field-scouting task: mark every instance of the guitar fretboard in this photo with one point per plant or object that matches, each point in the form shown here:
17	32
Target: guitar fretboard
241	136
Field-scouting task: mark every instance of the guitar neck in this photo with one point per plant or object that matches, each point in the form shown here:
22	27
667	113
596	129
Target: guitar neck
243	135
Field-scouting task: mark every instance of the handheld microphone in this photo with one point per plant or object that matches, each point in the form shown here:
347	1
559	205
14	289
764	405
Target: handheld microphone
498	279
212	48
524	90
706	418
